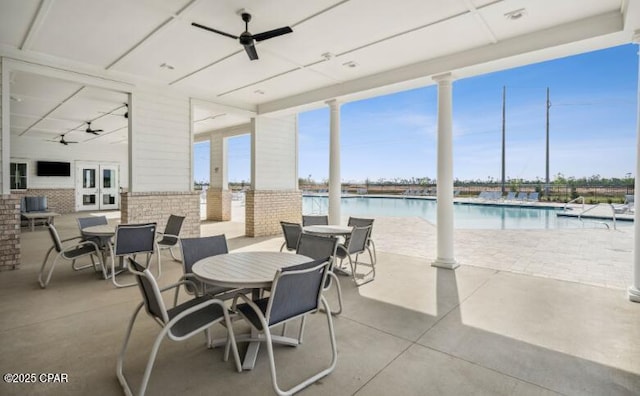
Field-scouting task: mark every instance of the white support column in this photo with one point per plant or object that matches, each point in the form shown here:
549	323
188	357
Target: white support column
445	258
634	289
335	185
4	129
219	172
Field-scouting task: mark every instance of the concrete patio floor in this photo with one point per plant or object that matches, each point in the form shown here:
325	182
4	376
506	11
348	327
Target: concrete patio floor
527	313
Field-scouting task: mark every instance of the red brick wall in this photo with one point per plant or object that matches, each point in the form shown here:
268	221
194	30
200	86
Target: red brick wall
265	209
9	231
59	200
156	207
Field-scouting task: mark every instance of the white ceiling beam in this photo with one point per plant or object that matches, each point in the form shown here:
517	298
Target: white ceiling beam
585	29
236	130
481	21
163	26
52	110
223	108
36	24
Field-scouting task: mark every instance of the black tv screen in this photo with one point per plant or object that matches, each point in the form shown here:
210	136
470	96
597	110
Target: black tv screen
46	168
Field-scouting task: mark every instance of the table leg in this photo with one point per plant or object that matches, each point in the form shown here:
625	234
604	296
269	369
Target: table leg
32	223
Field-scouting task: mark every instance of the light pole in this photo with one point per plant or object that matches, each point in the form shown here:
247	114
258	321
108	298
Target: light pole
546	186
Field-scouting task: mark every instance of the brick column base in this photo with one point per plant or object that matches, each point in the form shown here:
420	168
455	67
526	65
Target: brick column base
218	205
265	209
9	231
147	207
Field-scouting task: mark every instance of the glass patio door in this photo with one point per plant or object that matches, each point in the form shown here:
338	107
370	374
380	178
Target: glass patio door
97	186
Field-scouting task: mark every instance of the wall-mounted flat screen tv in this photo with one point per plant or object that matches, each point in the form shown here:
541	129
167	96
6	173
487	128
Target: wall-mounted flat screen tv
47	168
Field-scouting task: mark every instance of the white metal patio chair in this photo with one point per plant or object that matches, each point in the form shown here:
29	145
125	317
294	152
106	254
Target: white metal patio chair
169	237
70	252
178	323
319	247
356	244
292	232
296	292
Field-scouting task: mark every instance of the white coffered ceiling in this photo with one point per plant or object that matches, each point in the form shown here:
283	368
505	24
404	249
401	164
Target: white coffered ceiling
344	49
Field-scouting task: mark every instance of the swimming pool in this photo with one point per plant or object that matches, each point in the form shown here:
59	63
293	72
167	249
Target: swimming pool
465	215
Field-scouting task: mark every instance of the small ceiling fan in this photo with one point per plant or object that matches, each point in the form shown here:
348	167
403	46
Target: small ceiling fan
62	141
247	39
92	131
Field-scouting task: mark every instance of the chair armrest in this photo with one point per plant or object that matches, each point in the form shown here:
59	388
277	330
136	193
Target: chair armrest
71	239
196	308
244	297
177	284
162	235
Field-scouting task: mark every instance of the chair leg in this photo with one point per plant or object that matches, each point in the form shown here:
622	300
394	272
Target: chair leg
313	378
231	340
44	263
283	245
113	272
301	330
73	265
372	247
120	362
354	265
339	291
173	256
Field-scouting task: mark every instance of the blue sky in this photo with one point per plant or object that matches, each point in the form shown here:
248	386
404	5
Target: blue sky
592	126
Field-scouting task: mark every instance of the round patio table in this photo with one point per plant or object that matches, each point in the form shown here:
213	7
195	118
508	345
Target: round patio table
327	230
247	270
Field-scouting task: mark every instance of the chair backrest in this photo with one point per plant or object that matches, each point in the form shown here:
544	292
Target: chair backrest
195	249
296	291
55	237
135	238
84	222
316	246
291	233
360	222
358	239
150	291
173	227
315	220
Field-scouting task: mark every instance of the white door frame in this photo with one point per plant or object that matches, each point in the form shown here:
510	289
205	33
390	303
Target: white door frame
97	189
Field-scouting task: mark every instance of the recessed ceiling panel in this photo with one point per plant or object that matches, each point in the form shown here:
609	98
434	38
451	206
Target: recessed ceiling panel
295	82
540	14
234	73
25	85
96	32
32	107
177	51
54	125
15	20
431	42
359	23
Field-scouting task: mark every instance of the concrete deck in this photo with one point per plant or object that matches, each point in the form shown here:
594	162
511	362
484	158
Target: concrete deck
527	313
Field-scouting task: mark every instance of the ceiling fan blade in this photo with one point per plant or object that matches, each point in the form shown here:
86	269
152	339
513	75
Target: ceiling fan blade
251	51
214	30
272	33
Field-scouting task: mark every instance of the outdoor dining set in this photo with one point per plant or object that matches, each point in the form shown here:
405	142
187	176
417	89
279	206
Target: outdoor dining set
263	288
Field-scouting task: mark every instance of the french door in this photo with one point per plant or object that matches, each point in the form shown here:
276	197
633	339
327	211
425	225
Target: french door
97	186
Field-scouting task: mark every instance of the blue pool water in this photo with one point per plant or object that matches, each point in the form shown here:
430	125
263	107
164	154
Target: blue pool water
469	216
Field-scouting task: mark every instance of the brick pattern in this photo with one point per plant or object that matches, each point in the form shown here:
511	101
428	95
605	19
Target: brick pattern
147	207
218	205
9	232
59	200
265	209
